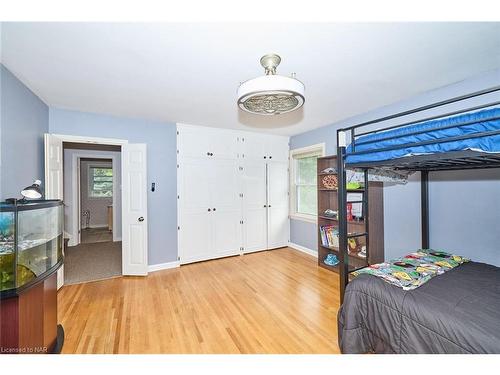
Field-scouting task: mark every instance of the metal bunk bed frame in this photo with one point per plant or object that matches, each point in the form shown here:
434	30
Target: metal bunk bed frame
421	163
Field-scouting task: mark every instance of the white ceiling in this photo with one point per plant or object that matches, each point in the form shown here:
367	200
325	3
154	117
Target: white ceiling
190	72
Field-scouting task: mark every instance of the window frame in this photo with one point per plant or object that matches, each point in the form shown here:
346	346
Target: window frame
298	153
90	179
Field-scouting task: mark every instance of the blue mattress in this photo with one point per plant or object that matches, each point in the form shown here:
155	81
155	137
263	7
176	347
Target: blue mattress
485	120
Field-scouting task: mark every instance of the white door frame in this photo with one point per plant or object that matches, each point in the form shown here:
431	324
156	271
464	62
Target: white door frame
76	194
100	141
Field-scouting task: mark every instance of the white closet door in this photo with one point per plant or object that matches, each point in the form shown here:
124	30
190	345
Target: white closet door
277	149
195	221
254	206
193	141
226	207
224	145
277	177
254	147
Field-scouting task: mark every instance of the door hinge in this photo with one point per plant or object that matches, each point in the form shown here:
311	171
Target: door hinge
178	197
178	258
178	228
177	152
177	165
241	195
241	221
177	132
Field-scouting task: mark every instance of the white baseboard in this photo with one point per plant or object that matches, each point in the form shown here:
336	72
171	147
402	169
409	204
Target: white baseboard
163	266
95	226
314	253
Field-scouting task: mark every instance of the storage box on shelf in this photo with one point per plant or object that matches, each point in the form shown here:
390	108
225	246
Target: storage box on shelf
327	219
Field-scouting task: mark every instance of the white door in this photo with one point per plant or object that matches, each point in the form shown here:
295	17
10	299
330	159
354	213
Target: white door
254	147
224	145
277	149
194	219
134	210
193	141
254	206
225	190
54	184
277	202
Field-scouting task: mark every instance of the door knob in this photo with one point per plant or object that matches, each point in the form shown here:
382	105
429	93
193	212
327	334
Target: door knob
141	219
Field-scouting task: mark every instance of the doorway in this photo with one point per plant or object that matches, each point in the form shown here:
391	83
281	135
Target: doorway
96	199
131	227
92	175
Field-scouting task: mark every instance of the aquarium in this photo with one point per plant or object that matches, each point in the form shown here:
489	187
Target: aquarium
30	241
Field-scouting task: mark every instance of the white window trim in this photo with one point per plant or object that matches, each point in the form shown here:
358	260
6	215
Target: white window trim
97	164
313	149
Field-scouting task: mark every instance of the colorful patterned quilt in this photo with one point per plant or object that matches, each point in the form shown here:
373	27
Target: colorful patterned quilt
415	269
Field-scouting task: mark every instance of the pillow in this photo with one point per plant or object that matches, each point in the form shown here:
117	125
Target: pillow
415	269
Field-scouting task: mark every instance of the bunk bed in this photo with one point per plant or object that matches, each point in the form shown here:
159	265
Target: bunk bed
457	311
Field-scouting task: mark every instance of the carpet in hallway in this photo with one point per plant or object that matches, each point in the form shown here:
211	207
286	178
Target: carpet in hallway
91	262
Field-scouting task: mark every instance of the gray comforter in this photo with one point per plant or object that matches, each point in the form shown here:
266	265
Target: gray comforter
457	312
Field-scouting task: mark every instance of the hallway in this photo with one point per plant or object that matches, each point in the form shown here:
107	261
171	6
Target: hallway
92	261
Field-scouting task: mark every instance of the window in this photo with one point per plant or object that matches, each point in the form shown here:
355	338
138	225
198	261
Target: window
100	182
303	174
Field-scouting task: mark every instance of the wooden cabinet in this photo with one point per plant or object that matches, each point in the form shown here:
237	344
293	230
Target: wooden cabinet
232	197
28	319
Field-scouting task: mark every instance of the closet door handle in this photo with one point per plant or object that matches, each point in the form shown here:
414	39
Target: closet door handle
141	219
270	157
265	157
214	208
269	206
265	205
209	210
208	153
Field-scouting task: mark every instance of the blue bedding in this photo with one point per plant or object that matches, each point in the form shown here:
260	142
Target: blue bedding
485	120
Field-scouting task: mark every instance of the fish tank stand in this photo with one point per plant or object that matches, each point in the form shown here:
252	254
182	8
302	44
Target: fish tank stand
31	252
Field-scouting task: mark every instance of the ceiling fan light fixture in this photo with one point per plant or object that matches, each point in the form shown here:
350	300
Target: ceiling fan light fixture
271	94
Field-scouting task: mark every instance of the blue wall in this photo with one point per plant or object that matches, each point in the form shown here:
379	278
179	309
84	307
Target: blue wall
465	208
162	167
24	120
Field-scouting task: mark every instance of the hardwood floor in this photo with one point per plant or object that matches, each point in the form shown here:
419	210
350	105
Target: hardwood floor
275	301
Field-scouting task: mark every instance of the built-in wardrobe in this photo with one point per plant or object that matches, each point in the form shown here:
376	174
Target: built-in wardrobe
232	191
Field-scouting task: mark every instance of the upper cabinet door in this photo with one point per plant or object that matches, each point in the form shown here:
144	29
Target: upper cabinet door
224	144
193	141
254	147
277	148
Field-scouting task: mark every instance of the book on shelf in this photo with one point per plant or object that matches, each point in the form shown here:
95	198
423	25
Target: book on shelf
329	236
